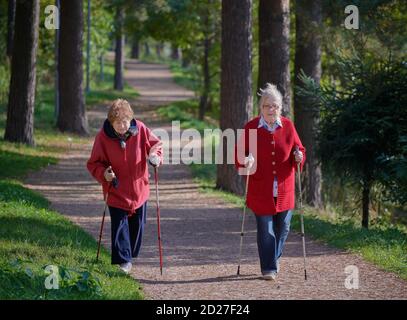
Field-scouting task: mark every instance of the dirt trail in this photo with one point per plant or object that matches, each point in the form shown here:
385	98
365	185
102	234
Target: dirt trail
201	233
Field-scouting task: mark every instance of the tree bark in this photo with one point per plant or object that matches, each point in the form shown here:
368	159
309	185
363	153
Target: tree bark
158	49
365	204
135	52
236	92
174	52
119	52
146	49
185	62
274	47
72	113
203	103
308	16
21	101
10	26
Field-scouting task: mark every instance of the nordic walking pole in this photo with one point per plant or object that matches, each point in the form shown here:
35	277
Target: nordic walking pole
244	214
301	216
158	219
101	228
115	184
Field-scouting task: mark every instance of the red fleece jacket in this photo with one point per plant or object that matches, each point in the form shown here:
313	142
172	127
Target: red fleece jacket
129	165
274	158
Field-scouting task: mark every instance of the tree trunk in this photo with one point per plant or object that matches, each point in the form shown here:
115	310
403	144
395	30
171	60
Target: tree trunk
146	49
20	109
236	91
56	99
158	49
101	71
72	113
184	59
88	41
174	52
119	52
203	104
10	26
308	58
274	47
365	204
135	52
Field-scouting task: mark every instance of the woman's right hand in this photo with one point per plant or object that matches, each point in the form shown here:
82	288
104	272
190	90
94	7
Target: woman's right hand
248	161
109	174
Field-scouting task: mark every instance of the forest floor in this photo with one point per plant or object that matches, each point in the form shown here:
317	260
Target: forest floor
201	232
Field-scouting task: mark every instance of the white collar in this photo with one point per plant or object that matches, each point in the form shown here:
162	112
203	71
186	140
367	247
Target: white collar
263	122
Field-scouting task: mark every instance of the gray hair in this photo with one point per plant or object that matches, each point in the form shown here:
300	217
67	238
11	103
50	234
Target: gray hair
271	92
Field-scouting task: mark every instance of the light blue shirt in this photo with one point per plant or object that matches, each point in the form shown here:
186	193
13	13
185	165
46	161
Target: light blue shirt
276	125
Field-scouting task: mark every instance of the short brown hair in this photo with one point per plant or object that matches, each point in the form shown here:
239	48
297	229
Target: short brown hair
120	109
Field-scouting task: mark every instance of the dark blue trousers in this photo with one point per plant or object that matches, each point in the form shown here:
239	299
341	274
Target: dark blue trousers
272	232
127	233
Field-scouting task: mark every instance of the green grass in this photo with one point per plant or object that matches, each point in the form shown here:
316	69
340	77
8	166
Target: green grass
32	236
185	77
185	112
383	244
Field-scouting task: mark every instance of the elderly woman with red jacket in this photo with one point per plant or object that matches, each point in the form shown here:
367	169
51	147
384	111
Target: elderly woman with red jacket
271	188
119	156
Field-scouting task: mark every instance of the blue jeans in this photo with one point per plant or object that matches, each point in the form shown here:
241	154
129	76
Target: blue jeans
272	232
127	233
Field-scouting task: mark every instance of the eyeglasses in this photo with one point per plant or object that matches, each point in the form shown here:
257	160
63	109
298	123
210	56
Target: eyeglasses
270	106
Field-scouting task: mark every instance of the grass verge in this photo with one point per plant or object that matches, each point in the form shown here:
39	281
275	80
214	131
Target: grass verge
38	246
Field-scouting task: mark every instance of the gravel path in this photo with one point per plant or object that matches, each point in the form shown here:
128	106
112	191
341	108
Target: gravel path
201	233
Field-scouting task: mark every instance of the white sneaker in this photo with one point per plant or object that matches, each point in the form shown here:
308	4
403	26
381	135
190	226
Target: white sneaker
270	275
126	267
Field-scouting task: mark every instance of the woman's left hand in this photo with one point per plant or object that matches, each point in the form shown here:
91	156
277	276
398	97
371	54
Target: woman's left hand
298	156
155	148
154	160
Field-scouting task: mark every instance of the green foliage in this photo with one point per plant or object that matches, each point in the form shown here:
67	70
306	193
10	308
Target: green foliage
382	29
382	21
101	33
186	25
363	126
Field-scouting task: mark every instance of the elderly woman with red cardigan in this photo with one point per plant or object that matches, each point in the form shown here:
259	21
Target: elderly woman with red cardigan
271	189
121	151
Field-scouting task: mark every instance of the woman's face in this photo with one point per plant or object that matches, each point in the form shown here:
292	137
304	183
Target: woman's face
121	125
270	110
